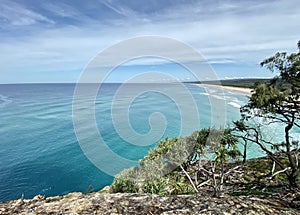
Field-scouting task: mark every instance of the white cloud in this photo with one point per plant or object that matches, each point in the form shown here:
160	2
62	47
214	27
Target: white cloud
224	32
124	11
17	15
61	9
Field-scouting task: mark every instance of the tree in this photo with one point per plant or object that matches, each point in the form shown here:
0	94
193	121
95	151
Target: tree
167	169
213	150
157	170
276	102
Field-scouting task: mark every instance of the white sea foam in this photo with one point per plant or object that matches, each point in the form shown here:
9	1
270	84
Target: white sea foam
233	104
4	101
219	97
205	94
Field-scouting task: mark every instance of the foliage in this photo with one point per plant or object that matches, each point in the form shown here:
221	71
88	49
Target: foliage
124	186
155	186
172	184
247	82
164	170
162	148
217	146
124	182
166	157
220	142
160	161
276	102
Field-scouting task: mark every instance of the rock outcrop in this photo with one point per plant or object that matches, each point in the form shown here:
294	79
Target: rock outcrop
125	203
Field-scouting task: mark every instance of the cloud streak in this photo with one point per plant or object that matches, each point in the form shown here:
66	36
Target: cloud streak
52	36
17	15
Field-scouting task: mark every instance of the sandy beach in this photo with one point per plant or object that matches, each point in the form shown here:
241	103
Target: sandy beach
243	90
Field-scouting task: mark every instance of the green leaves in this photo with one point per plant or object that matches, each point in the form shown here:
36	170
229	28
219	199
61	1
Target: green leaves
220	142
275	102
269	98
154	175
281	95
125	182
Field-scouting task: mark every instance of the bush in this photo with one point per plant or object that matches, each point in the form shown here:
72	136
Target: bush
155	187
124	186
163	172
125	182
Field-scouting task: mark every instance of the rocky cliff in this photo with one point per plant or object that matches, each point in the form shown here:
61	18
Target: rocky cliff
124	203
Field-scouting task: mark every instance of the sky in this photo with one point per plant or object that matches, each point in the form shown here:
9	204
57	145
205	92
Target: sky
54	40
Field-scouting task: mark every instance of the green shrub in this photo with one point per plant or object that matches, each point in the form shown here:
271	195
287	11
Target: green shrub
158	172
155	187
124	186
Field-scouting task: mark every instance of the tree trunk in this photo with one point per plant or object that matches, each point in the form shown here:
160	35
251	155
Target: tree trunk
293	178
293	175
245	152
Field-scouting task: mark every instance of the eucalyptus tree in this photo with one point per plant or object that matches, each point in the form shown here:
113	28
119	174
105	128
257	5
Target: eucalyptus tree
276	102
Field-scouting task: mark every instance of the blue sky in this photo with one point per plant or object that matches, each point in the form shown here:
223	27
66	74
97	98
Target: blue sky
53	40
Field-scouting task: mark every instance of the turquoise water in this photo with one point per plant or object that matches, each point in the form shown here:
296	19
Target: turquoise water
39	151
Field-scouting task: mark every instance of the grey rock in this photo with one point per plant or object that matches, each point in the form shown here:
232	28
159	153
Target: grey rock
125	203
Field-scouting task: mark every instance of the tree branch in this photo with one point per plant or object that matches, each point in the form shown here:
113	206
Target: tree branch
191	181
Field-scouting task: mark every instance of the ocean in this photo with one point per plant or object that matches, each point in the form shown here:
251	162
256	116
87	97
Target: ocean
39	149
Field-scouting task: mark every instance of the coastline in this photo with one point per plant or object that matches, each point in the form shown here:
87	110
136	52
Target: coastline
243	90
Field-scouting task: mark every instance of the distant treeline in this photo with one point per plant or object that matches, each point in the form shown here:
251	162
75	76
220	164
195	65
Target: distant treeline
248	83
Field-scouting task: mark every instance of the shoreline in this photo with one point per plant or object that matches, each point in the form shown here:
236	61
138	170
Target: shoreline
243	90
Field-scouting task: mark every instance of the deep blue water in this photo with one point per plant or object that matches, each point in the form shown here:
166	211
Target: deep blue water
39	151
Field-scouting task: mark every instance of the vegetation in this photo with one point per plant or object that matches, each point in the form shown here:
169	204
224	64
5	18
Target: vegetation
204	153
247	82
162	160
212	166
276	102
219	147
208	161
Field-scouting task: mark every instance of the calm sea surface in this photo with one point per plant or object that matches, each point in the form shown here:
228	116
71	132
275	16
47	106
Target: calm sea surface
39	151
